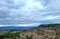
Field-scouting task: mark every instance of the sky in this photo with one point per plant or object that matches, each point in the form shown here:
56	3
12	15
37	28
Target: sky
28	12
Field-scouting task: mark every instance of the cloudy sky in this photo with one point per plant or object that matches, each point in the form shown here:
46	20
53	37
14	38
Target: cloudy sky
29	11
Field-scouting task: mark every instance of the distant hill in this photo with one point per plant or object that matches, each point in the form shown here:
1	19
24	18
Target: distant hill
16	27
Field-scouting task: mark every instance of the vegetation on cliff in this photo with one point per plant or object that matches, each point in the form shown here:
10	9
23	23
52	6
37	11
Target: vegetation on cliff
49	25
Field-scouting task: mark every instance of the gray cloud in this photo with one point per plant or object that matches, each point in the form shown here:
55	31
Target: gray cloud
29	11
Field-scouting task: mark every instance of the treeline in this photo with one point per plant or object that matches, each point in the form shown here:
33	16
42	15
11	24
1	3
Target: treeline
49	25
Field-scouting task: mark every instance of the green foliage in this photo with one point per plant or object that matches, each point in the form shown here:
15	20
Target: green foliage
14	38
50	38
57	33
11	35
29	37
41	32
